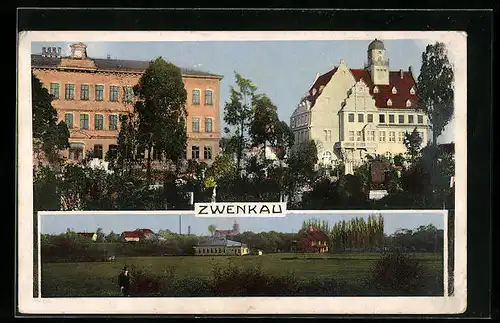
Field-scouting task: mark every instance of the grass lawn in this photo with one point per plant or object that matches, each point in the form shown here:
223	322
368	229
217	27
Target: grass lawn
100	278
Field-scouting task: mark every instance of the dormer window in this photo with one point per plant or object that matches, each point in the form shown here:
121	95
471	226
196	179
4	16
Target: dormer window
314	91
412	91
321	88
389	103
375	89
394	91
408	103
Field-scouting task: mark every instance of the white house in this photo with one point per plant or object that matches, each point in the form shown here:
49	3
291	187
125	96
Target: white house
353	112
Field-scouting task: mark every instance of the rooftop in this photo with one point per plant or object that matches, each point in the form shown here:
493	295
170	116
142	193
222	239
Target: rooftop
105	64
220	242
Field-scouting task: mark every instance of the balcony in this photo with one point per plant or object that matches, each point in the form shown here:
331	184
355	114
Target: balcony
358	145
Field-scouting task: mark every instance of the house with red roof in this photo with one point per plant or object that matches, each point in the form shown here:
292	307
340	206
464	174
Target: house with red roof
354	112
313	240
131	236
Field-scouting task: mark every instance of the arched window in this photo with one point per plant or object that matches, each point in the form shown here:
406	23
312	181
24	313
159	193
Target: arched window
412	91
394	90
408	103
375	89
389	102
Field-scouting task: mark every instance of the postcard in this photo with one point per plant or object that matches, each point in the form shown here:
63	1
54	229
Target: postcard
242	172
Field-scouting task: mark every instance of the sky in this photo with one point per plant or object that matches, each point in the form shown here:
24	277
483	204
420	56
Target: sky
283	70
59	223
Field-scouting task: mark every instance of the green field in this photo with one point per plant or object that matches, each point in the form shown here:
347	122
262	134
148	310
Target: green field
100	278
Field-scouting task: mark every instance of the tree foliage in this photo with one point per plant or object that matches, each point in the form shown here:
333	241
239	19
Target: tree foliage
48	135
435	87
161	111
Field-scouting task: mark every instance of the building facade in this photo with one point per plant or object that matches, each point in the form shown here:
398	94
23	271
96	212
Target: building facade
220	247
313	240
90	94
351	113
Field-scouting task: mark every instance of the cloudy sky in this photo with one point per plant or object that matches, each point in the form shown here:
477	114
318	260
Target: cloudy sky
59	223
281	69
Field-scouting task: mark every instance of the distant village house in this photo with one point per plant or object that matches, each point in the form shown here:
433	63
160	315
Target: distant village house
313	240
221	247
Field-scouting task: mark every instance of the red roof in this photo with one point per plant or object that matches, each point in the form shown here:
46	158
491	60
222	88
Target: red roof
315	235
146	231
130	234
402	84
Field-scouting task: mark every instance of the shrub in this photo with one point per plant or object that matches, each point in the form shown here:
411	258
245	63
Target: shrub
143	282
396	271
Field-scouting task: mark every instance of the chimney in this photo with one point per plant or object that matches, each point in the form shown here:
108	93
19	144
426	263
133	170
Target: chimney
44	51
401	73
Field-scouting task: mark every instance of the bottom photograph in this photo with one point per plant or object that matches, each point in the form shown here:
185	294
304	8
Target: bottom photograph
368	253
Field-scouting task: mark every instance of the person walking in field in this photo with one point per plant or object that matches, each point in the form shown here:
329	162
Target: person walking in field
124	281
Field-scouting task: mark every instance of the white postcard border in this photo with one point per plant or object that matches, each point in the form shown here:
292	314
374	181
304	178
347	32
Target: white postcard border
456	44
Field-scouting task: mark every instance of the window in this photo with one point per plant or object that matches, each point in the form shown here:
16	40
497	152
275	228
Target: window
99	92
392	136
69	92
326	135
113	122
99	122
351	135
208	97
391	118
195	152
394	90
112	150
113	93
401	118
68	119
381	118
196	124
196	97
408	103
371	136
359	137
412	91
98	151
375	89
350	117
128	94
381	136
84	92
411	119
361	117
76	153
54	90
401	136
389	102
208	125
370	118
420	119
207	152
84	121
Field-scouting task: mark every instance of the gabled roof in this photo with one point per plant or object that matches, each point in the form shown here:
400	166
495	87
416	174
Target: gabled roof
402	84
315	235
86	234
104	64
146	231
220	242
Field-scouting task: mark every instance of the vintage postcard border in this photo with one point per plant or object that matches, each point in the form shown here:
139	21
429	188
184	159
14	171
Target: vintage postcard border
455	41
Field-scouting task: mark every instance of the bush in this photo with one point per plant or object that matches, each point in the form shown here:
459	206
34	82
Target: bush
396	271
143	282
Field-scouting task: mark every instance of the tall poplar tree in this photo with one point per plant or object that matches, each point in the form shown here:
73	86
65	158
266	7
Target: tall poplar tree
435	87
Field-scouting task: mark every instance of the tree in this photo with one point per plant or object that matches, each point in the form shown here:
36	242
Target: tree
435	87
238	112
100	235
413	143
161	112
49	136
113	237
303	159
211	229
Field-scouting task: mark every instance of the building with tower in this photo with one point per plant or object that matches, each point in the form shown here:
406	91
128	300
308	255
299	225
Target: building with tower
354	112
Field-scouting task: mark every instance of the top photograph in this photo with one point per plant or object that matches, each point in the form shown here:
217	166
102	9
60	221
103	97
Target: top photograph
316	124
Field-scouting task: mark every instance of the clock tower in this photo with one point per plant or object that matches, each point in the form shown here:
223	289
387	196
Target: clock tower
378	65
